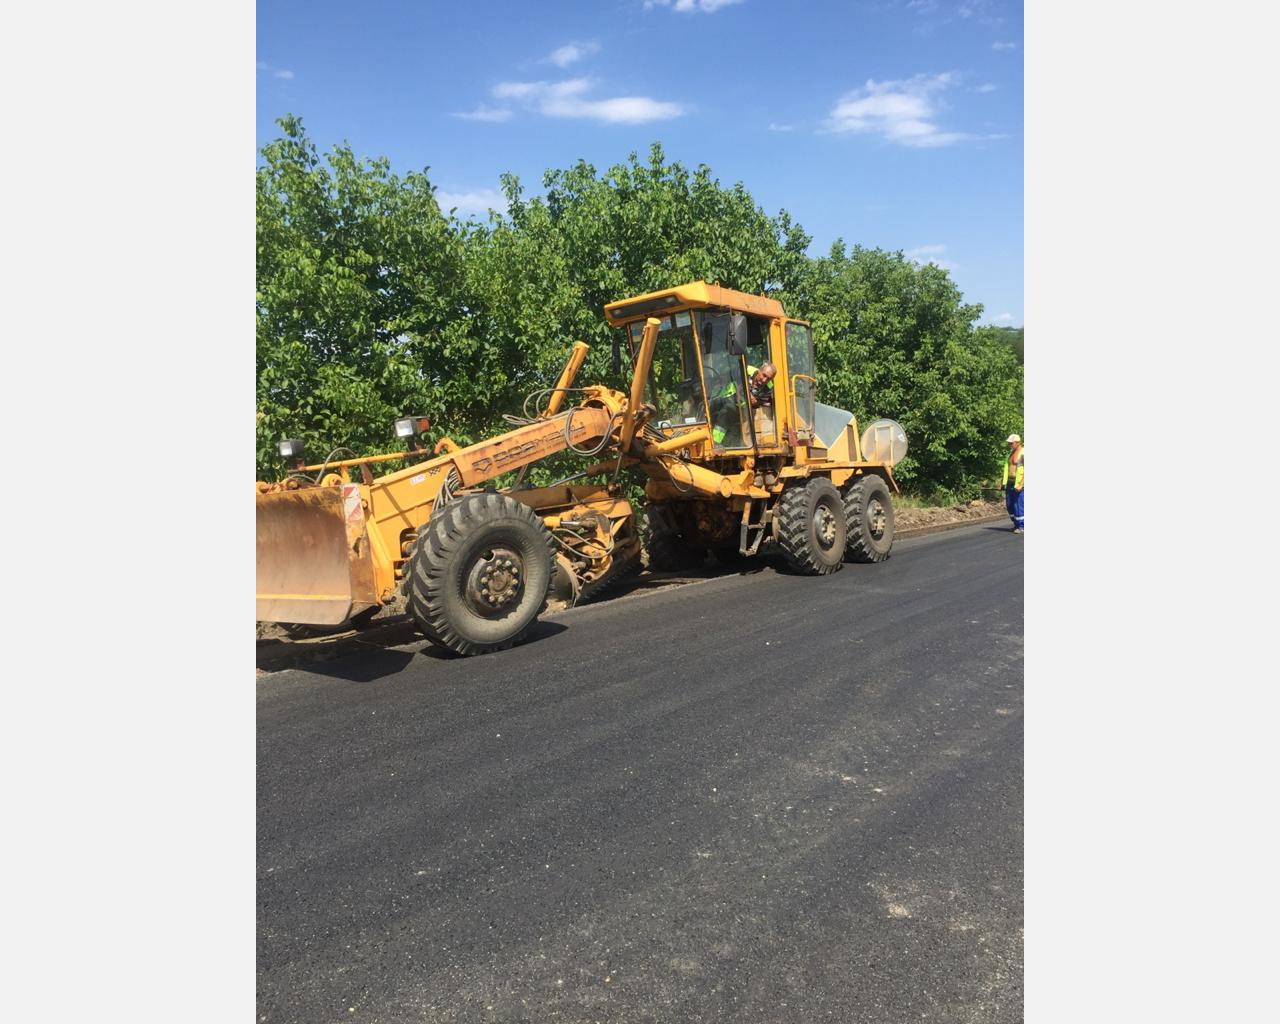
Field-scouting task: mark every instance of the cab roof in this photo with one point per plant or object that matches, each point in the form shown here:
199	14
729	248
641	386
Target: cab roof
695	295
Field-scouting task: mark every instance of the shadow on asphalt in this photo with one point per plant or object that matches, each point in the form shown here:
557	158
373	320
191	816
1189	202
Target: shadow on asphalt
367	666
367	654
365	659
540	631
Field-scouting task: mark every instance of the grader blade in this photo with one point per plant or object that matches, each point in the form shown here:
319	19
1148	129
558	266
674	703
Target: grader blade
313	563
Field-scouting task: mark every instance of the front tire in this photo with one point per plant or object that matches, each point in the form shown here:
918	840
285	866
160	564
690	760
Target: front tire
868	512
481	569
812	528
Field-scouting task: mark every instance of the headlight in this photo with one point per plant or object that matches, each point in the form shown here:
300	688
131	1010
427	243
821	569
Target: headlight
291	448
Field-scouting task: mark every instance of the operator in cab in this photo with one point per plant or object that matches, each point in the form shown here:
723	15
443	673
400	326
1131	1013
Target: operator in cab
760	386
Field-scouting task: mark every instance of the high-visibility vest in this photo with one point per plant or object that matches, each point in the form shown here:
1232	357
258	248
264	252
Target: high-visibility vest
1017	480
729	390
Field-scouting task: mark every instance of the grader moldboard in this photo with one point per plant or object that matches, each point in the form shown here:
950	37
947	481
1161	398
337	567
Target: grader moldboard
730	463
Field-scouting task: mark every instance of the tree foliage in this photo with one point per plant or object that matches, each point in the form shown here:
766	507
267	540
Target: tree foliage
896	339
372	303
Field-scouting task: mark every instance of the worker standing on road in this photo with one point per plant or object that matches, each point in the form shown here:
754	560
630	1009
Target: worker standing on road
1013	493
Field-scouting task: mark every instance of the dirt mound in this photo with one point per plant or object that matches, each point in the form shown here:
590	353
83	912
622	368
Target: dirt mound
914	518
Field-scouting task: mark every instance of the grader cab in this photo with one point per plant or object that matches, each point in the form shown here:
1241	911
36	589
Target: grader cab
721	416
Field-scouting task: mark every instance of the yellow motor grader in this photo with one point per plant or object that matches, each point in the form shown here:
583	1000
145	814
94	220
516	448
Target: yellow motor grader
721	417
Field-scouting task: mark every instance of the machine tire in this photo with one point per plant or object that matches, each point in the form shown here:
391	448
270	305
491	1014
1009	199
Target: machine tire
465	547
668	551
868	511
811	527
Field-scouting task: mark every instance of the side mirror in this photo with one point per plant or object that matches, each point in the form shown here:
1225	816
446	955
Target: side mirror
738	334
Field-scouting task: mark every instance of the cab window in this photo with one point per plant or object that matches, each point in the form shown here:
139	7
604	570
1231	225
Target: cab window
674	387
800	369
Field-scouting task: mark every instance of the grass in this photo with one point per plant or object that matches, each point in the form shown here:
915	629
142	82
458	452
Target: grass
941	500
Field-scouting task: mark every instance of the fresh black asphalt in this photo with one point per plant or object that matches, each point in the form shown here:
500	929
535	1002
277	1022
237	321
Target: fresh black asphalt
757	798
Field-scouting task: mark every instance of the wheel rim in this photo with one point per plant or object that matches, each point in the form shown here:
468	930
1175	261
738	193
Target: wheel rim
875	518
824	526
494	582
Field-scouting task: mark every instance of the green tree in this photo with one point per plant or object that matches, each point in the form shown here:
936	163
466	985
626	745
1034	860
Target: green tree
355	267
372	303
538	279
1010	336
896	339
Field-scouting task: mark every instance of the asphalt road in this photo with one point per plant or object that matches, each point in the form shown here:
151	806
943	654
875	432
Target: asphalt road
756	798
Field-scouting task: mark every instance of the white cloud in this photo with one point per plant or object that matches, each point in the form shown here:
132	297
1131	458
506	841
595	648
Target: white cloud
276	72
1003	318
898	111
985	87
689	6
483	113
571	53
567	99
930	254
1004	46
479	200
942	12
524	90
774	127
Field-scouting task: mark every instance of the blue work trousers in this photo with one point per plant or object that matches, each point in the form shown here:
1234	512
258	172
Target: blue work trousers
1013	501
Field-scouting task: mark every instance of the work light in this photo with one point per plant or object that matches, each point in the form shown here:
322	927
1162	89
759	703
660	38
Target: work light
407	426
291	452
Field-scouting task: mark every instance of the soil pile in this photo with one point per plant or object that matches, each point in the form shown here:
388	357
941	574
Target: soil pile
913	518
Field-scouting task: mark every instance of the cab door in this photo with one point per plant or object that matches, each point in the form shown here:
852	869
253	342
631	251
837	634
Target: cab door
738	422
800	377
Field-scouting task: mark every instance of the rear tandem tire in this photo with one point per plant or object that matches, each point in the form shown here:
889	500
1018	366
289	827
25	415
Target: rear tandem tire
868	511
811	527
668	551
480	573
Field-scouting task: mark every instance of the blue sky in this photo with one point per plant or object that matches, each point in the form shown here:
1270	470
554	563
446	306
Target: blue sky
894	123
